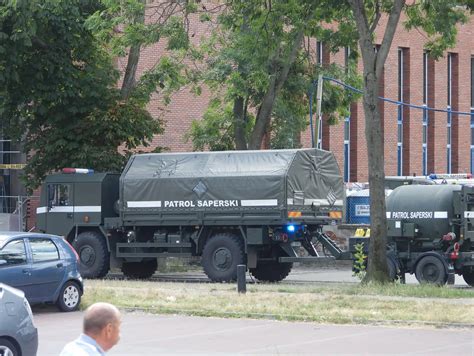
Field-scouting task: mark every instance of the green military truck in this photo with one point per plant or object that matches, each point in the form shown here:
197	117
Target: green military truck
257	208
430	232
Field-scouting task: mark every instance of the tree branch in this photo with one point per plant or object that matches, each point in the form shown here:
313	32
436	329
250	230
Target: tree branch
358	8
390	29
378	14
265	110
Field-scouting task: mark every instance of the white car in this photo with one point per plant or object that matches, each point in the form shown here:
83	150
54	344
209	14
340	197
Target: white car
18	334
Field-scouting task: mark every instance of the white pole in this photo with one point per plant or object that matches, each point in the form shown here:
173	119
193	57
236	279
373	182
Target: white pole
319	99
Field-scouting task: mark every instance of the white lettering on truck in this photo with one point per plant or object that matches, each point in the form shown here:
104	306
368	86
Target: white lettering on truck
200	203
417	215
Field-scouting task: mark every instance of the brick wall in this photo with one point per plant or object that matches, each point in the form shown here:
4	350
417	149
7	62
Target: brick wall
185	107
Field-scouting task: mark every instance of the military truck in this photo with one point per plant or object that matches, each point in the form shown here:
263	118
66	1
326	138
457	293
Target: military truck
258	208
430	232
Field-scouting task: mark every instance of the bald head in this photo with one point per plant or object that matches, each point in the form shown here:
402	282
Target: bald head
98	316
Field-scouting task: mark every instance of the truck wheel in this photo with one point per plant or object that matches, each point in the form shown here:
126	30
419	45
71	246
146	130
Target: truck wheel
93	254
431	269
271	271
392	269
139	270
468	276
221	255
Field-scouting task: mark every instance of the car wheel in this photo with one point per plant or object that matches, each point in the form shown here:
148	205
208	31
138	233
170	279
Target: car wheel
69	297
7	348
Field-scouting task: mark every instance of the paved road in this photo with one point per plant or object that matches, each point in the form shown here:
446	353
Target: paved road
144	334
307	274
345	275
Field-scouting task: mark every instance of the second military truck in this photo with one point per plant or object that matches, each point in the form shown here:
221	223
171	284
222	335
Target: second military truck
258	208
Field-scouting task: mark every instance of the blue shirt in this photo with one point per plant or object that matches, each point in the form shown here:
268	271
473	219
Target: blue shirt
83	346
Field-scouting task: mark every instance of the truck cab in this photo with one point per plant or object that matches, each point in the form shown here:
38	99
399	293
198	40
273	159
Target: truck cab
73	202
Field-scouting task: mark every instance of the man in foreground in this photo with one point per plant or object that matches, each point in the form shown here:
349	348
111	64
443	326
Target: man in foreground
101	331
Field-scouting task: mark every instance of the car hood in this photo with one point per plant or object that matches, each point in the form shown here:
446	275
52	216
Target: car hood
11	290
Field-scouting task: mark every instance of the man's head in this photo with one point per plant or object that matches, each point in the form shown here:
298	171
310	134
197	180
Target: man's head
102	323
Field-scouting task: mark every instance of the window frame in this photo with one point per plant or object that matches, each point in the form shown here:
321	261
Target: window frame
25	250
56	195
32	252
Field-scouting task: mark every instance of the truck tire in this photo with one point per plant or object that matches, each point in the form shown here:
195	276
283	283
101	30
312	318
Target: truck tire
139	270
392	269
430	269
221	255
468	275
94	257
271	271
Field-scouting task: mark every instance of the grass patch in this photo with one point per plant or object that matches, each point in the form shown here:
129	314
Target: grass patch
324	303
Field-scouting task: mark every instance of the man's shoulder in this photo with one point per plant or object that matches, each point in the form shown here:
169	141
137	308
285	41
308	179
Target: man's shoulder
74	349
78	348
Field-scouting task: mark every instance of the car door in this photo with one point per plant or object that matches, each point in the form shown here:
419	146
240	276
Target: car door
47	268
15	269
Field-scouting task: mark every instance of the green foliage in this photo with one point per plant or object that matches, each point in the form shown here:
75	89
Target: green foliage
216	129
76	145
166	77
58	89
438	18
249	50
336	99
360	261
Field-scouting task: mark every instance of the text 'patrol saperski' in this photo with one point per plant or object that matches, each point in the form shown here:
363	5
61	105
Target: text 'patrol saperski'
200	203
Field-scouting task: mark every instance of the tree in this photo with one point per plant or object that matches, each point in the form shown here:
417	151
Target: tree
126	27
438	19
255	71
260	72
58	90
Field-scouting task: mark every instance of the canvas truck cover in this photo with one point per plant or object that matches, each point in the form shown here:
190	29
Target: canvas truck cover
230	181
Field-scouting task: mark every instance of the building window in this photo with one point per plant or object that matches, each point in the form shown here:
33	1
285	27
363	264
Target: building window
449	114
347	142
319	52
472	114
400	114
472	140
425	115
347	127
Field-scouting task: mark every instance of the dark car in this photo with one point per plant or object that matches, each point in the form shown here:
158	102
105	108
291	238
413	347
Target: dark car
18	334
44	267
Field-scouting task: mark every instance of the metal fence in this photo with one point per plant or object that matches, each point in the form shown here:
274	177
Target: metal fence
17	213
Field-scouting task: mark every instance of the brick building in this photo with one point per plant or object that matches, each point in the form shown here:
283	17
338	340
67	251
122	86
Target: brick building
417	141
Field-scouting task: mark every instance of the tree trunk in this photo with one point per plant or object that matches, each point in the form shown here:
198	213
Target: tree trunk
239	124
278	80
377	260
129	78
374	61
129	81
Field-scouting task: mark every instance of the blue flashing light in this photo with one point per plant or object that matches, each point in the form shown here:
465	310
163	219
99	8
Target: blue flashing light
290	228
